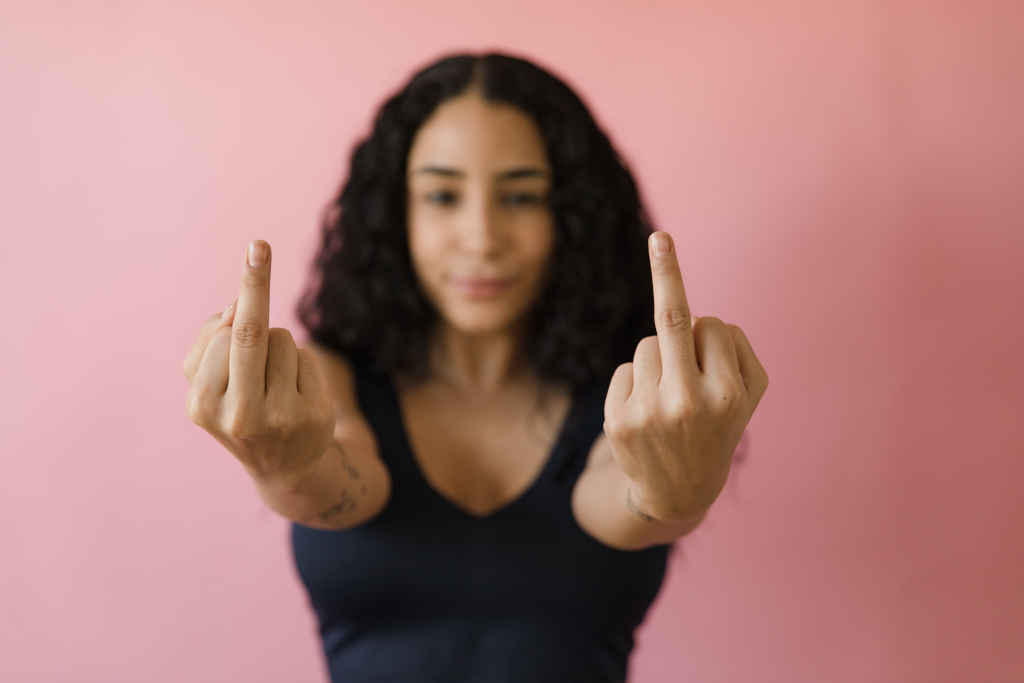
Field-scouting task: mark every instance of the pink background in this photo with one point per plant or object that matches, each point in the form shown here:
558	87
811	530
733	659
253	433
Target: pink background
843	181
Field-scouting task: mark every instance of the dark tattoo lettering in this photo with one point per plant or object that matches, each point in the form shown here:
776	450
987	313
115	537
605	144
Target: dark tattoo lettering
352	471
340	508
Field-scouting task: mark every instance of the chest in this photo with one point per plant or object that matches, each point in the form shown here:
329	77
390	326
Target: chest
482	455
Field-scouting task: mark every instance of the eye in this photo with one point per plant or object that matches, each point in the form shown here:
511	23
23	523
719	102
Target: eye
522	198
445	197
440	197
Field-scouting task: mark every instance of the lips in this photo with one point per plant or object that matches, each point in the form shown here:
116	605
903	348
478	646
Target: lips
483	281
478	287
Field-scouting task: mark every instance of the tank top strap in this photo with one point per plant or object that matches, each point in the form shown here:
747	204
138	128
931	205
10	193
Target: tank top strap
379	403
584	426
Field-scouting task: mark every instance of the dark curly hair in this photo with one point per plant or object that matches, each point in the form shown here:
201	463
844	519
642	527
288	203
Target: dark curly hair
598	301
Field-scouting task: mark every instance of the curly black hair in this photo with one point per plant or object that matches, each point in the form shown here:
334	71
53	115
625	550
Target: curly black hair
366	302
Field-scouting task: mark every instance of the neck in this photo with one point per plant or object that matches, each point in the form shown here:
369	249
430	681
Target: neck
478	363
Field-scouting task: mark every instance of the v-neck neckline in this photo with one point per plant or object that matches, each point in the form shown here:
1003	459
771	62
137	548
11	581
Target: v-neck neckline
545	471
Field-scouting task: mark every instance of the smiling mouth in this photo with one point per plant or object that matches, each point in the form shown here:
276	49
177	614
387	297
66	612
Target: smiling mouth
482	281
482	287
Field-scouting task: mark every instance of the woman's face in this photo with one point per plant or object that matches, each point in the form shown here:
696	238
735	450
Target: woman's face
480	230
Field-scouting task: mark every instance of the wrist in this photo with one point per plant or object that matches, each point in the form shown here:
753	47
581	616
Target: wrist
654	512
295	479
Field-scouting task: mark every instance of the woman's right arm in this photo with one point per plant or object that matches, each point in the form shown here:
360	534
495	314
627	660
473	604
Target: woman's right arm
288	414
349	484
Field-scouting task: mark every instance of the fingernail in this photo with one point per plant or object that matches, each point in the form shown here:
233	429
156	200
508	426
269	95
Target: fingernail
257	254
660	243
227	311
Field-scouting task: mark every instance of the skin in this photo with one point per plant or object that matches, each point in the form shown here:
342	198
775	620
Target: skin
470	221
465	221
673	416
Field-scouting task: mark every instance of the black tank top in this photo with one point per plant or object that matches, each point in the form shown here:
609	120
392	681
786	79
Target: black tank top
426	592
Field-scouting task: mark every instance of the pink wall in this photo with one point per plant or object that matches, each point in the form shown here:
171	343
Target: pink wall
843	181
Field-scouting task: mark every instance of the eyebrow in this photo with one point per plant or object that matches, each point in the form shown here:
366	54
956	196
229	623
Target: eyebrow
508	174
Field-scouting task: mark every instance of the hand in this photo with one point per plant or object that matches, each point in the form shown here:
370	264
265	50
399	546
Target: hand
254	391
675	415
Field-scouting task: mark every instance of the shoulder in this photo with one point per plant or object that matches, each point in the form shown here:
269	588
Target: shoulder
592	397
335	365
340	373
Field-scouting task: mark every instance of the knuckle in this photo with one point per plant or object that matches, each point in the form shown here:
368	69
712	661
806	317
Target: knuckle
726	400
223	335
627	424
248	333
615	424
195	409
650	414
688	410
281	334
313	414
674	317
645	347
237	428
242	421
201	404
317	419
280	340
280	420
677	412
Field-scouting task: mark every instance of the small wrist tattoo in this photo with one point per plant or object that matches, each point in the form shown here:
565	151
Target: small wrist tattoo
635	510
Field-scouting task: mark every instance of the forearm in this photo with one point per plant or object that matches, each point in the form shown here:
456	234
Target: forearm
602	509
650	530
337	492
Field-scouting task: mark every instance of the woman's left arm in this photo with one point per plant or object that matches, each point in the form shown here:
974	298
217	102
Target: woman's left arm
603	506
674	416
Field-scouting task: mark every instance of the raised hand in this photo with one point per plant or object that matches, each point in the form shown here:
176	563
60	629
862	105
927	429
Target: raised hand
253	390
675	415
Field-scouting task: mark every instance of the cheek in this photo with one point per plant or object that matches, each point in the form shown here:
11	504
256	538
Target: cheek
540	247
425	251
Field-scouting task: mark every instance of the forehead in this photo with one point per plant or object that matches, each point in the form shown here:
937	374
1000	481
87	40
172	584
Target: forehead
469	133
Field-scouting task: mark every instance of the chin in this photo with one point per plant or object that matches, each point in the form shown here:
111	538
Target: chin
480	324
481	319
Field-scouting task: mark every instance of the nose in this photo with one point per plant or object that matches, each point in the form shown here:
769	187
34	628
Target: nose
479	228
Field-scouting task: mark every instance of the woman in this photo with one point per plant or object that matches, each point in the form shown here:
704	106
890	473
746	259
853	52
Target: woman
462	511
